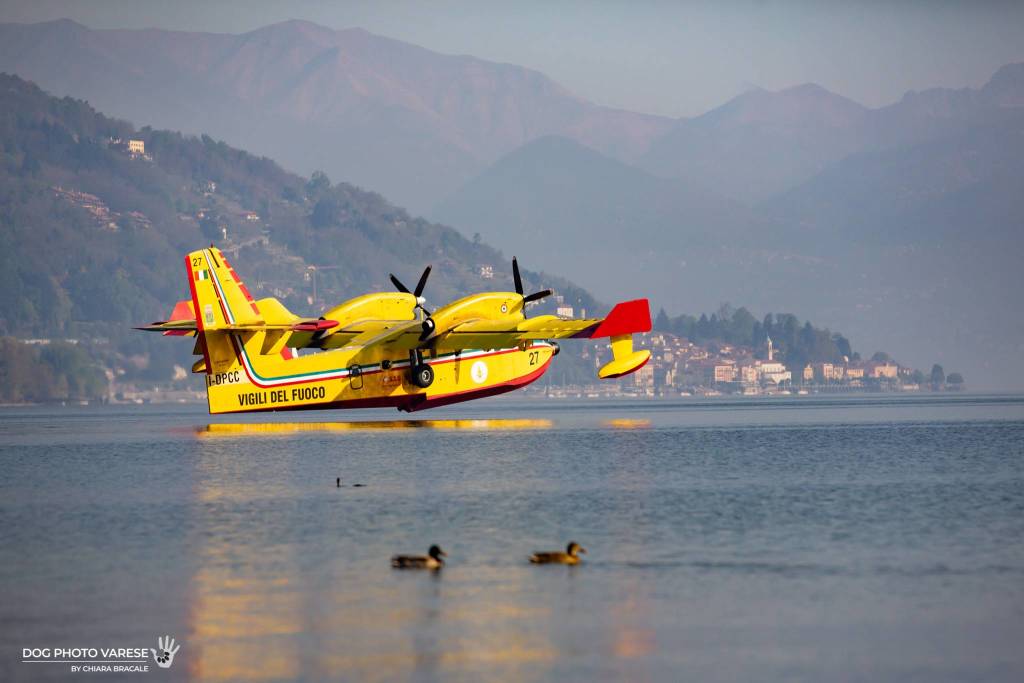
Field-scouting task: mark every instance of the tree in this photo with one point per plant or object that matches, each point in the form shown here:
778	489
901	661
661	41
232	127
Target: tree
209	225
938	376
757	335
843	345
881	357
703	327
661	321
743	326
955	378
30	164
807	339
318	183
326	212
790	326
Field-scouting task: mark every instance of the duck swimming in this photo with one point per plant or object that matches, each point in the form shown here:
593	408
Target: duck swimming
432	560
570	556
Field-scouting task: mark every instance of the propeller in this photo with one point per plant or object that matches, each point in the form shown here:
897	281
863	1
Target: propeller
418	292
428	322
536	296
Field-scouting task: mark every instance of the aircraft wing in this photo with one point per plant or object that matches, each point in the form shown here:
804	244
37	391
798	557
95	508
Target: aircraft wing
395	334
621	323
626	318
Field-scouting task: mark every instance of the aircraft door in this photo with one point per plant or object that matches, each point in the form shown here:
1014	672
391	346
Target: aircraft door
355	377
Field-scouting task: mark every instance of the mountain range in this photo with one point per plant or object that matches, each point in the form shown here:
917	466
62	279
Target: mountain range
900	225
390	116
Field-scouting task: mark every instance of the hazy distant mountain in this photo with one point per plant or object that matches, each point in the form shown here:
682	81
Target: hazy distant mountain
625	232
760	143
943	171
764	143
926	226
961	187
389	116
903	225
574	209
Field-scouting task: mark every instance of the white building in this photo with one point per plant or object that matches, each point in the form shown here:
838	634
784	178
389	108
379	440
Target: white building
775	373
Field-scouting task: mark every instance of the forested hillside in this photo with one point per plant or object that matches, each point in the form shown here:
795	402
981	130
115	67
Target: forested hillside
92	236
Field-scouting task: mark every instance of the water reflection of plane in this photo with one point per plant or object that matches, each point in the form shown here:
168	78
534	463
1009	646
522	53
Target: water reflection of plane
627	423
244	428
267	604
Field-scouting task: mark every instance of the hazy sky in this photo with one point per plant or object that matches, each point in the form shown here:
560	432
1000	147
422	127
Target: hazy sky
671	58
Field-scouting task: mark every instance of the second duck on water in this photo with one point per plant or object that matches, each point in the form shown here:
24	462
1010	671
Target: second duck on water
432	560
570	556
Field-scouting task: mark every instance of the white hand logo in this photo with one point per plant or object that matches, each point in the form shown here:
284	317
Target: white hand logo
165	655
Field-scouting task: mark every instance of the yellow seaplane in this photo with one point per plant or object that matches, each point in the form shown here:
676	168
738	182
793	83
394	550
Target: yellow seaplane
383	349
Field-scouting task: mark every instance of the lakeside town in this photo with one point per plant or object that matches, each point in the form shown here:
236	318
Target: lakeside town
679	367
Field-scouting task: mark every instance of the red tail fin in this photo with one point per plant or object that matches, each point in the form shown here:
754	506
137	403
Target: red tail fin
627	317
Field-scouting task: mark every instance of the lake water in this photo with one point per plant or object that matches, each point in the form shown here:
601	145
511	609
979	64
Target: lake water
851	539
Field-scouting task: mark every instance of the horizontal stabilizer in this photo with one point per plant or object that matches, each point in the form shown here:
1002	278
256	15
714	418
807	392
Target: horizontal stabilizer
183	310
182	321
